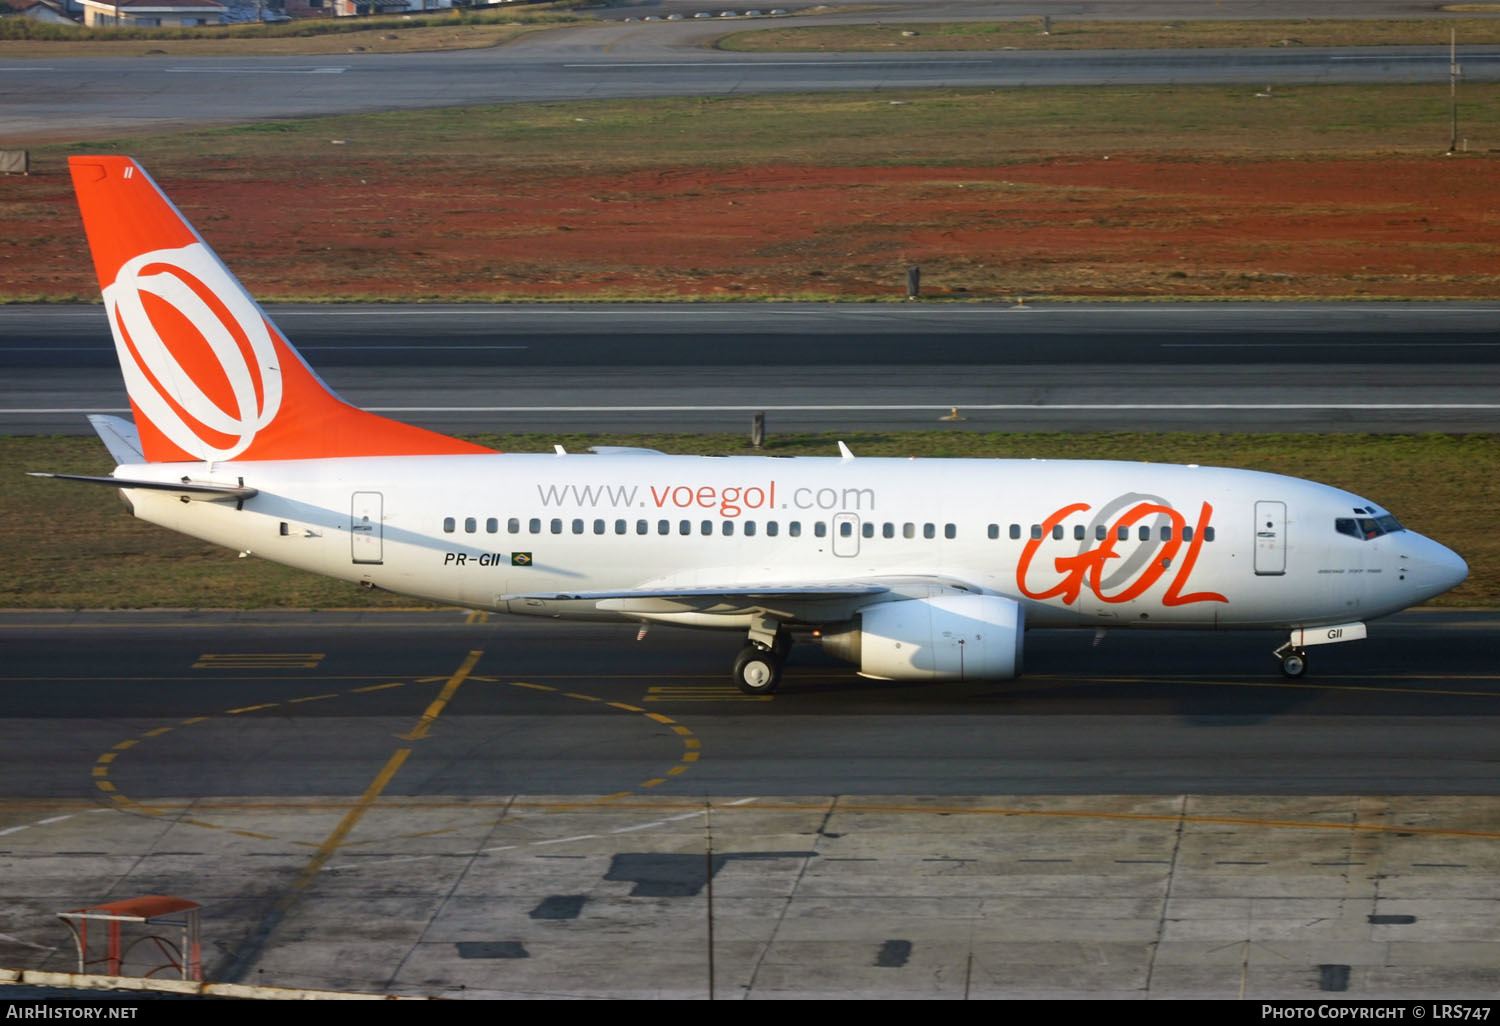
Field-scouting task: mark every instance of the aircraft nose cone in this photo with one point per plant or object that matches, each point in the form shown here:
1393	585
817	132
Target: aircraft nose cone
1434	568
1452	570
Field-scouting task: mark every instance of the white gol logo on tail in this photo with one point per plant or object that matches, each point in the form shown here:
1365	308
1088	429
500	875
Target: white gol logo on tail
172	269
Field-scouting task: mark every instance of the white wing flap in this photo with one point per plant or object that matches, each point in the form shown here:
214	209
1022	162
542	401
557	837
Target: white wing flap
778	600
775	600
747	595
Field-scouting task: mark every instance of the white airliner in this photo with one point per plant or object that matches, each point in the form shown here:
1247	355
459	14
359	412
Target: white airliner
919	570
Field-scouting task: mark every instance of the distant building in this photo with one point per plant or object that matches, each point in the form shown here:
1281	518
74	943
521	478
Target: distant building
349	8
152	13
50	11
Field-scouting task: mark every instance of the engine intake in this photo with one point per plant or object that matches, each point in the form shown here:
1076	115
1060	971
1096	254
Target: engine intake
944	637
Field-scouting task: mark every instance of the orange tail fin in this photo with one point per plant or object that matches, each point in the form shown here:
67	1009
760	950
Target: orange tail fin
210	377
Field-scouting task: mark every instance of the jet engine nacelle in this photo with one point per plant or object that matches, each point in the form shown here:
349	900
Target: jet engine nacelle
944	637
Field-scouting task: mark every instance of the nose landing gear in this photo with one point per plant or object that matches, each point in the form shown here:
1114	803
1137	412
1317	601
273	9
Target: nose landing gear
1293	660
1293	654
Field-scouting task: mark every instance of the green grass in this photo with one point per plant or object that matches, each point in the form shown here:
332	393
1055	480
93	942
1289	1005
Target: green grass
1144	34
73	546
933	127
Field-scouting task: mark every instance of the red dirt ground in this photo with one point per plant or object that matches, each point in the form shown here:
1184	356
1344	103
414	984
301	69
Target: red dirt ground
1131	227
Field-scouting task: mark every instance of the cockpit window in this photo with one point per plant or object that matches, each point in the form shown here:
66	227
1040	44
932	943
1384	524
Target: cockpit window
1367	527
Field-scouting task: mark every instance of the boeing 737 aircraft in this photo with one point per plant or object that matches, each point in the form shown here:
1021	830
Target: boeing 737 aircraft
918	570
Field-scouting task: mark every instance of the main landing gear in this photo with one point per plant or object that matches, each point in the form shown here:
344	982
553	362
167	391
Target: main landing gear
757	669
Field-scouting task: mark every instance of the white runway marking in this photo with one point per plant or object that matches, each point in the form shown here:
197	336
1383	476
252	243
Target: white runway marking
918	407
1319	345
1416	57
206	70
852	408
872	64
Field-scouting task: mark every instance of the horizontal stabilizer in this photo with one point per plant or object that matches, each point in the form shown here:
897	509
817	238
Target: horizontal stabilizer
202	491
119	436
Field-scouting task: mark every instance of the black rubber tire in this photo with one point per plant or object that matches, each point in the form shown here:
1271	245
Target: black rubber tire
1294	664
756	671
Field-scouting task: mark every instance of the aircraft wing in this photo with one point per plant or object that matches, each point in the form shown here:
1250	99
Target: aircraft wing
788	601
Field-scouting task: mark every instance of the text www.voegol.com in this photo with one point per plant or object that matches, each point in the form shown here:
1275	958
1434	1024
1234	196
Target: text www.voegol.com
729	501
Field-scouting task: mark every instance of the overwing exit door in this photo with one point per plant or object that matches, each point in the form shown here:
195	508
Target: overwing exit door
845	534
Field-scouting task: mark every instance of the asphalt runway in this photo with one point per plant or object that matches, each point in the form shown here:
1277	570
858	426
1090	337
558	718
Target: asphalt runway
422	805
697	368
442	805
1411	711
82	98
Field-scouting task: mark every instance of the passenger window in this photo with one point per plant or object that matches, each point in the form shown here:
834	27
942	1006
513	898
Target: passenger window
685	527
1208	534
513	525
535	525
664	527
1122	534
749	528
950	530
994	531
598	527
449	524
556	526
1036	532
1057	532
1079	532
867	529
706	526
820	529
772	528
642	527
929	530
1166	533
470	525
888	530
1015	531
621	527
492	526
1187	533
794	529
908	530
577	526
1100	532
1144	533
728	528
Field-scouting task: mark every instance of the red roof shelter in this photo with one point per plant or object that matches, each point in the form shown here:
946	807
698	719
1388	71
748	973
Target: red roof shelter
151	911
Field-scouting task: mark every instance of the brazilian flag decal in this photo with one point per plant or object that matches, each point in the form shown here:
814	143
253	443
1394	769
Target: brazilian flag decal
520	559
